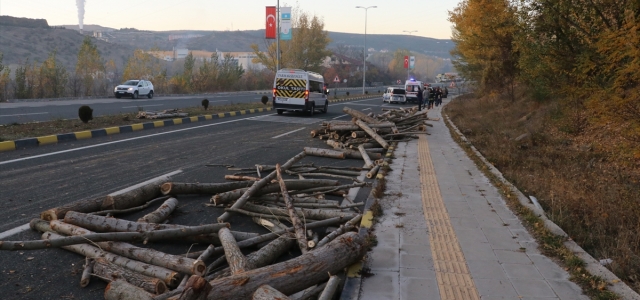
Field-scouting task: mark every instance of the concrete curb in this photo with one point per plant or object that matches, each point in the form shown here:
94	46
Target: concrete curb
353	281
593	266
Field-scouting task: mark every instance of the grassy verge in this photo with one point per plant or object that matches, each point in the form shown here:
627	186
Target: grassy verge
523	141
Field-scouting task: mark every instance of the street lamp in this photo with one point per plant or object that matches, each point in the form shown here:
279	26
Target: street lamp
409	67
364	60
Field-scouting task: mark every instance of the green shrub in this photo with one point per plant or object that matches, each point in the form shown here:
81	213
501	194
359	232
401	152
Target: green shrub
366	92
205	104
85	113
264	99
347	93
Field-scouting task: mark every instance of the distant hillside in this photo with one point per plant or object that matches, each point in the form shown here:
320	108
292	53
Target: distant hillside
23	22
87	27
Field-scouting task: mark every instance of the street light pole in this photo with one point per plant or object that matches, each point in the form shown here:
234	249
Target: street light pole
409	66
364	59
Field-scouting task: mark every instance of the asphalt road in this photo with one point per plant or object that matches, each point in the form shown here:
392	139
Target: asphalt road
37	179
38	110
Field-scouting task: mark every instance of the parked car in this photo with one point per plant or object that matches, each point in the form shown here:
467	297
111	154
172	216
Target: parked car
394	95
134	89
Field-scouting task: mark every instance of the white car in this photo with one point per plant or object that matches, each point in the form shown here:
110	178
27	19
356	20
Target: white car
394	95
134	89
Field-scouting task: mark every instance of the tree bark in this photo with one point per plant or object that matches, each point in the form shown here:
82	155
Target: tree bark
374	135
297	224
329	175
135	195
110	272
102	224
356	154
296	274
266	292
335	144
121	290
352	127
162	213
128	210
367	161
359	115
241	178
313	214
343	228
259	184
86	273
236	260
174	262
169	277
330	288
313	242
373	172
295	184
324	152
180	188
84	206
311	292
197	288
40	225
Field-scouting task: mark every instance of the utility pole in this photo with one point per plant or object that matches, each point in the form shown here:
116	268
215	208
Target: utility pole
278	37
364	59
409	66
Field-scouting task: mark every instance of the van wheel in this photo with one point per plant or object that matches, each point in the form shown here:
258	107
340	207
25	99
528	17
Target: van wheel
135	95
326	107
312	110
279	111
150	95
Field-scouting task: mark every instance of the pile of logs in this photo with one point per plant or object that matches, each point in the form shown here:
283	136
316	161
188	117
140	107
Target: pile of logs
164	114
300	212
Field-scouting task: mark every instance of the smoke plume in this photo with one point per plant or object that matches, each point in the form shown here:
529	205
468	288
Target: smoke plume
80	5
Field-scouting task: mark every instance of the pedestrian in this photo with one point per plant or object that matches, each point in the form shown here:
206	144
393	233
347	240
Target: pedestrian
426	96
419	95
439	97
432	98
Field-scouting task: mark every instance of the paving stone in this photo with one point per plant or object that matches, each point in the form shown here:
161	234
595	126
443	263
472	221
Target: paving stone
548	268
522	271
424	250
495	287
382	285
384	258
389	237
477	251
417	273
464	223
491	269
532	288
421	261
512	257
419	288
567	290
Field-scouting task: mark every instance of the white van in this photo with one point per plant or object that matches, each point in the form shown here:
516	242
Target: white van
412	86
300	90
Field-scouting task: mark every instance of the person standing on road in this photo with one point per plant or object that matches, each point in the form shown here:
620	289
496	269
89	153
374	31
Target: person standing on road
419	95
432	98
438	96
426	96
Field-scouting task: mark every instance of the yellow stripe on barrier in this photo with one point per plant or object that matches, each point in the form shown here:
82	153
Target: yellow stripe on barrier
112	130
232	113
49	139
82	135
354	270
243	112
194	119
136	127
221	115
158	124
177	121
252	110
269	108
367	219
260	109
7	146
208	117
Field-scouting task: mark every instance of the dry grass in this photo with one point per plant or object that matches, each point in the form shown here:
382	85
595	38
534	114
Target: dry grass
20	131
584	189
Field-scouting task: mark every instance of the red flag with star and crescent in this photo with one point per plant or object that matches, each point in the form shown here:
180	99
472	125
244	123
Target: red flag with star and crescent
270	30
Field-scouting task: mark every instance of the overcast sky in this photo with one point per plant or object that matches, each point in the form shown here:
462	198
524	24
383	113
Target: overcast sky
390	16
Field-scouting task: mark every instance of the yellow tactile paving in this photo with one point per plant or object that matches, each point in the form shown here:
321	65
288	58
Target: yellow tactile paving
452	272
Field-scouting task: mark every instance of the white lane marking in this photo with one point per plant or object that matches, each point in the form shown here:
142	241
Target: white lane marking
165	176
367	109
142	105
361	104
122	141
286	133
340	117
41	113
13	231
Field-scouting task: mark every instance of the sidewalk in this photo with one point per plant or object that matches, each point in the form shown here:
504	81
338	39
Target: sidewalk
446	233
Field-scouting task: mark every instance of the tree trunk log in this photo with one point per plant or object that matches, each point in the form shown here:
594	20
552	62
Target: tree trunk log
296	274
169	277
297	224
257	185
324	152
343	228
266	292
102	224
241	178
110	272
135	195
311	292
374	135
335	144
40	225
325	189
356	154
373	172
339	172
330	288
86	273
162	213
180	188
359	115
367	161
84	206
313	242
197	288
174	262
128	210
330	175
295	184
121	290
313	214
236	260
358	134
257	215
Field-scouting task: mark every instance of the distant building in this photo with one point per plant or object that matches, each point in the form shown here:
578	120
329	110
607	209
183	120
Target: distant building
180	53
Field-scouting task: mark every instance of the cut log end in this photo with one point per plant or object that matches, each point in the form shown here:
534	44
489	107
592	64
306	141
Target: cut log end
165	188
49	215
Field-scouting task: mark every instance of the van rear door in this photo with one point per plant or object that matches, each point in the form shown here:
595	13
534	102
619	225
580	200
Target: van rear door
290	90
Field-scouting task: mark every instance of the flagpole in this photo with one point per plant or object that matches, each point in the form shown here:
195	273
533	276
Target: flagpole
278	37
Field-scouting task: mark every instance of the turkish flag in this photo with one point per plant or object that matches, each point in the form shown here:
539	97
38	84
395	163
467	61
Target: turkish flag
406	62
270	29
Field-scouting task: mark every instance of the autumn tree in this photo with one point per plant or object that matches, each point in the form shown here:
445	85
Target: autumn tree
89	68
205	78
229	73
5	78
143	65
53	78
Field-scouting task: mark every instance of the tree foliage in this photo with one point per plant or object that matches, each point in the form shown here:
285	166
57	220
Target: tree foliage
89	67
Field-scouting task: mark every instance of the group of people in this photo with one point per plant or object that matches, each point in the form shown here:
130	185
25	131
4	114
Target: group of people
432	96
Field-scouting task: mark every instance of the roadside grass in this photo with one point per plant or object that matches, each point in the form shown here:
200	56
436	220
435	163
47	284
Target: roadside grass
17	131
549	154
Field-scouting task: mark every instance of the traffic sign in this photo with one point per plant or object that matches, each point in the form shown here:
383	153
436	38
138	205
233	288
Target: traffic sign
399	81
336	79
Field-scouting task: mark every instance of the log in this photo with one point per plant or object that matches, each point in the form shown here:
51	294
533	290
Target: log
110	272
266	292
358	134
326	189
372	134
343	228
169	277
241	178
84	206
324	152
359	115
330	289
181	188
310	293
335	144
259	184
330	175
311	243
255	214
40	225
296	184
367	161
373	172
121	290
313	214
110	236
235	258
128	210
296	274
173	262
339	172
160	214
135	195
86	273
356	154
197	288
297	224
